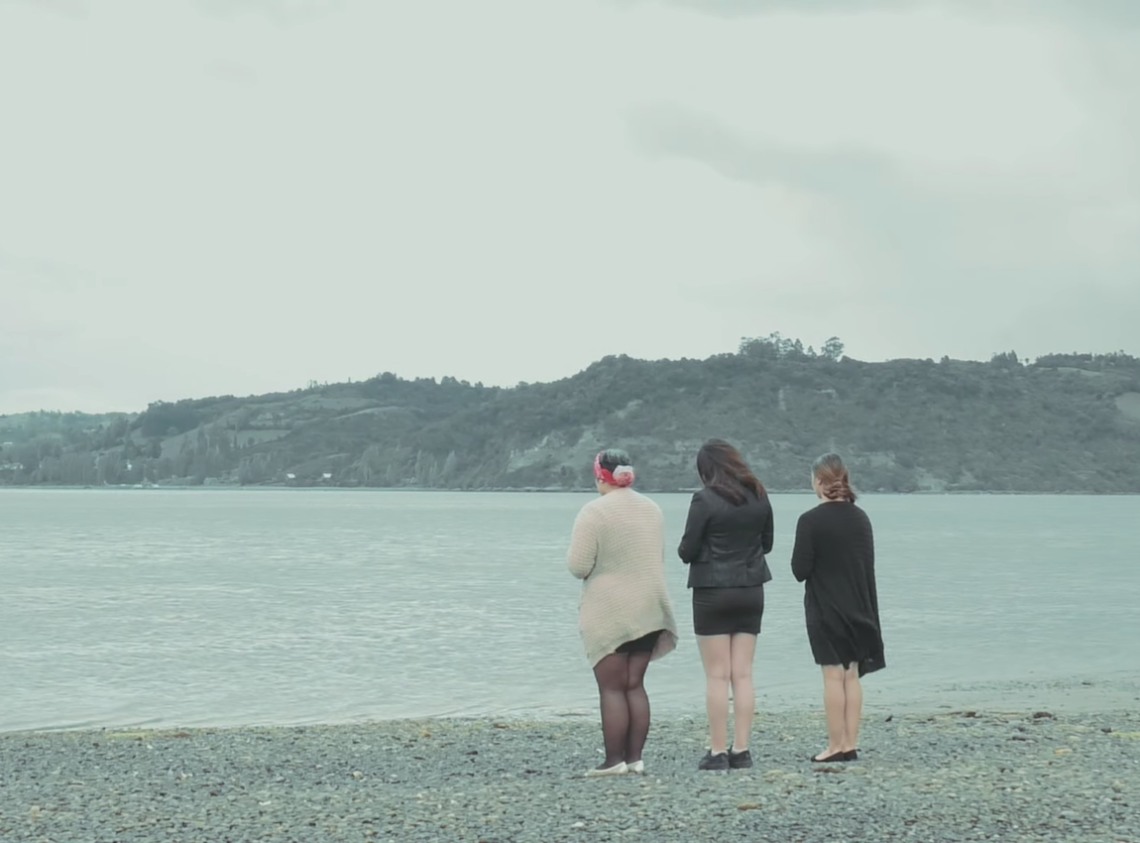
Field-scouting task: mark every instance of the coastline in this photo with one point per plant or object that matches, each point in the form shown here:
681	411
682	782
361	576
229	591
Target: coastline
234	487
1076	695
922	776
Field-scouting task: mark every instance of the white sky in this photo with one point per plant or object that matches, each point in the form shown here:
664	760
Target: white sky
238	196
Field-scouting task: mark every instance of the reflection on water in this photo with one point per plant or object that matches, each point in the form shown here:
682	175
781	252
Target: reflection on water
261	606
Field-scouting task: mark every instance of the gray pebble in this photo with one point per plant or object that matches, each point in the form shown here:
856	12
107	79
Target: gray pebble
931	778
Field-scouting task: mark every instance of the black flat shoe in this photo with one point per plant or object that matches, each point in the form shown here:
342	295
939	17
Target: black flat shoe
831	759
852	755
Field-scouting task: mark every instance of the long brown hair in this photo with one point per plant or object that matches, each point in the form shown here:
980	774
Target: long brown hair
833	479
723	469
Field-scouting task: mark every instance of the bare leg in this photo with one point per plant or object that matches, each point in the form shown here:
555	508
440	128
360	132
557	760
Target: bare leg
716	656
742	649
637	701
834	707
853	711
612	674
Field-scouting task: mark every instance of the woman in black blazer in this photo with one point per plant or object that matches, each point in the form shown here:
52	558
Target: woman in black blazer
727	535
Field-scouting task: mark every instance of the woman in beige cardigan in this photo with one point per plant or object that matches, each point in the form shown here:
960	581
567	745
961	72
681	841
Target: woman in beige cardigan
617	549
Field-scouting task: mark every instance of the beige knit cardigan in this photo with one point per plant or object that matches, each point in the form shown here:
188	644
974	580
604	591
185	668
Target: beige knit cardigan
617	549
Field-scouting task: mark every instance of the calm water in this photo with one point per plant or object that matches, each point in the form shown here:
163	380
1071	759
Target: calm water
235	607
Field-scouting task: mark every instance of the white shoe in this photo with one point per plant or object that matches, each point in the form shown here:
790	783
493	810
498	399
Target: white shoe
636	767
616	770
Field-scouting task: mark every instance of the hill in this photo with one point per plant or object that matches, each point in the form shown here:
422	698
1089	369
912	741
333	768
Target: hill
1062	423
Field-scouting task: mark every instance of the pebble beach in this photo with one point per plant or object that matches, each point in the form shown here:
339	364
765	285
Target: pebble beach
953	776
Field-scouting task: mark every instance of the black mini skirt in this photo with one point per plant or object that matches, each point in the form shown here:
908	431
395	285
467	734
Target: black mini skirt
727	611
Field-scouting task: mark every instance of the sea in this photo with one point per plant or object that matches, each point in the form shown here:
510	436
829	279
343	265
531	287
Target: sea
215	607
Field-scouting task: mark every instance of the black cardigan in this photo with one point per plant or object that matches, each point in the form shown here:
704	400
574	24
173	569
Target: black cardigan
725	544
834	556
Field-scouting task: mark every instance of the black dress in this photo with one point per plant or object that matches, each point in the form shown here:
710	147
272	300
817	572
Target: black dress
834	556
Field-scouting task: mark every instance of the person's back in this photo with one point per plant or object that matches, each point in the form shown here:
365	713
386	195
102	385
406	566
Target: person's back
840	571
617	549
728	534
630	534
725	543
834	557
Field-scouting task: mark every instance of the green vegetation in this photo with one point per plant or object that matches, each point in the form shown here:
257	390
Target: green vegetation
1062	423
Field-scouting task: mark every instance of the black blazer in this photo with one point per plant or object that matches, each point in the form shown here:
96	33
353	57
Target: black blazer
724	544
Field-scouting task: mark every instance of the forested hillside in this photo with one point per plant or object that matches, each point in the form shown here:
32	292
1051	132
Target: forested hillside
1061	423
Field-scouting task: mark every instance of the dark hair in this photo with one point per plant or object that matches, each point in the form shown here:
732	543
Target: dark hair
723	470
833	479
611	458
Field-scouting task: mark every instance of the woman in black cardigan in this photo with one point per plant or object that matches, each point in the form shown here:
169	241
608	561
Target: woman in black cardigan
727	535
834	556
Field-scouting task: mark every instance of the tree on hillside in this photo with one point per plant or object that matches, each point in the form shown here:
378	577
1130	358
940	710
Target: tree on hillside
1006	360
775	346
832	349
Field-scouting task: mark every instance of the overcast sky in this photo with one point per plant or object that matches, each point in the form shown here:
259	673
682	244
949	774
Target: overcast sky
201	197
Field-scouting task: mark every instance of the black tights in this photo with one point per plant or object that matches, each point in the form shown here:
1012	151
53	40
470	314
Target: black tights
625	705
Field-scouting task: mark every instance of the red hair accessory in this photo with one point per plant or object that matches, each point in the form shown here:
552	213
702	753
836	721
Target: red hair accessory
620	477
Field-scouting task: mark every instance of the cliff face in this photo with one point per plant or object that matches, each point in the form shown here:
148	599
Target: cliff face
1067	423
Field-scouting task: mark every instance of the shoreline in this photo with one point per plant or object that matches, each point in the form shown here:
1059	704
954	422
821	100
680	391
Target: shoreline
525	490
1076	696
943	776
557	721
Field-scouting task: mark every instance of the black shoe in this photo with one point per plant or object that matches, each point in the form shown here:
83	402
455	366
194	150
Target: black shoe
831	759
714	762
739	760
851	755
